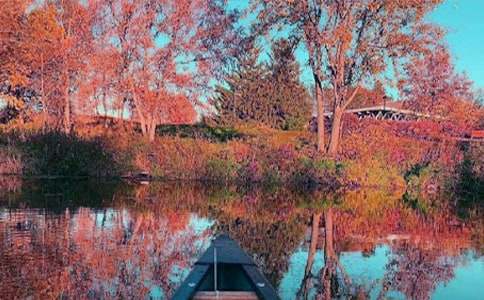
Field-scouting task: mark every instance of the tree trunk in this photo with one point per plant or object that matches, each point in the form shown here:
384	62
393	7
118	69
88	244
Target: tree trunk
305	284
143	126
152	130
329	239
42	92
320	117
329	254
67	107
67	104
142	120
314	242
335	131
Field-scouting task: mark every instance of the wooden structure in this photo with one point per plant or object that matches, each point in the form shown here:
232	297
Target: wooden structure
384	112
225	271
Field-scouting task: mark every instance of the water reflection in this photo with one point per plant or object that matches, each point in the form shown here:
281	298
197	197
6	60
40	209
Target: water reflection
399	264
112	240
101	254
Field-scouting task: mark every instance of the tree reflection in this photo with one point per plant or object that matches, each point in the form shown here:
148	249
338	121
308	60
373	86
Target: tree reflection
266	225
427	258
424	251
140	241
92	253
306	282
331	284
416	272
332	280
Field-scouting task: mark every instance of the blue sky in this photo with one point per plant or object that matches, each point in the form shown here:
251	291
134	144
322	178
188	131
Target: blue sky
464	21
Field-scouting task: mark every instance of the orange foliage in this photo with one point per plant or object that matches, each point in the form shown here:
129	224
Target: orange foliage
434	87
137	60
107	254
180	111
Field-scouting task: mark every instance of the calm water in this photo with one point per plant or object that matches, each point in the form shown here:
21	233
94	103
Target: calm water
111	240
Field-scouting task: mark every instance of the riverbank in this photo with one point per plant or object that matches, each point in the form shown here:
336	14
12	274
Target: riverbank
403	157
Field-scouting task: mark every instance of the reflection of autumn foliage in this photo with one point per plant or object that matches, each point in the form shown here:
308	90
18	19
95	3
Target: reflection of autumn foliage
10	183
108	254
266	226
10	161
427	257
171	197
147	240
425	249
416	272
30	260
440	230
331	281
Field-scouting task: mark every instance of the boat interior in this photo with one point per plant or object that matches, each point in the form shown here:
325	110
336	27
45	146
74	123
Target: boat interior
229	281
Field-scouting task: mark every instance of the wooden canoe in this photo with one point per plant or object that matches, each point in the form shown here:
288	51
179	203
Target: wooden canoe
235	276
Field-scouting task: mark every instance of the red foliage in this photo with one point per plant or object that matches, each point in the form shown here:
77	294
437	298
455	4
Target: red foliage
403	144
434	87
181	111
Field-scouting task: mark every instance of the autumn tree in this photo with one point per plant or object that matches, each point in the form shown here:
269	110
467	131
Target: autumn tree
367	97
42	43
99	90
435	88
181	111
165	50
44	46
74	19
14	90
13	24
350	44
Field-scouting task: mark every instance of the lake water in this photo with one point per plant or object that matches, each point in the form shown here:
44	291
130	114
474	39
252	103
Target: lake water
96	240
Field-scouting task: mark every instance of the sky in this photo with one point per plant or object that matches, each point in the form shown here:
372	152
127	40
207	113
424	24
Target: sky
464	22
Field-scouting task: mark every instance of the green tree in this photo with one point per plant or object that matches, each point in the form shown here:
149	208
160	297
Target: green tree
241	97
290	98
264	93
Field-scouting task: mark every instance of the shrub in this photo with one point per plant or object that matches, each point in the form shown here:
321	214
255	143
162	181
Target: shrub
10	161
309	173
469	186
374	172
249	172
220	170
271	178
57	154
202	131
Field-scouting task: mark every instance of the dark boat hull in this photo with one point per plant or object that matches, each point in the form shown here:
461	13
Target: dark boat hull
236	273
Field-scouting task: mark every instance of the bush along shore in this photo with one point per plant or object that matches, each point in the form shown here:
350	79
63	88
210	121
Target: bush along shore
218	156
373	156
